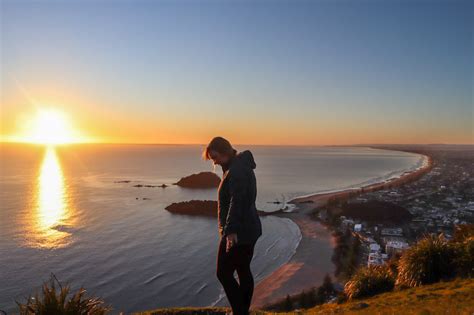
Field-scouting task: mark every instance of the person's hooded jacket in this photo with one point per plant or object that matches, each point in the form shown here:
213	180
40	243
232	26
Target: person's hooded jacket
237	212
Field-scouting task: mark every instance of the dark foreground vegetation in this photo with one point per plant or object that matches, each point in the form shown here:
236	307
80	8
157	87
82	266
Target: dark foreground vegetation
57	299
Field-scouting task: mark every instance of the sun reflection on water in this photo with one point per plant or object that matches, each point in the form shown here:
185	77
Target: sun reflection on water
51	217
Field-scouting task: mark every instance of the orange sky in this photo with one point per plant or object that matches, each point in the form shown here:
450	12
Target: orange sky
98	123
128	73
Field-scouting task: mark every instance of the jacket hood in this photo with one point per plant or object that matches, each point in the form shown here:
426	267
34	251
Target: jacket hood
246	158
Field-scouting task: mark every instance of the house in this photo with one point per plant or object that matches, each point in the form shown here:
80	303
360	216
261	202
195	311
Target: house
347	223
375	259
374	248
392	231
395	247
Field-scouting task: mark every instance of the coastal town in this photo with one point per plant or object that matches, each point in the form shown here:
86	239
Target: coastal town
435	203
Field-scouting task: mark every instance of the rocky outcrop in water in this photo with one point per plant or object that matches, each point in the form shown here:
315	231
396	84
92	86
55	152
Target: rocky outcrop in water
201	208
150	186
200	180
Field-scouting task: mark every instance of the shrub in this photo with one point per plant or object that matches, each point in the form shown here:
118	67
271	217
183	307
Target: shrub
429	260
464	259
55	300
288	305
392	264
326	290
305	299
368	281
463	232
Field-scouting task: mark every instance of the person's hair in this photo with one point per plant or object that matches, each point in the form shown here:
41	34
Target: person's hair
219	145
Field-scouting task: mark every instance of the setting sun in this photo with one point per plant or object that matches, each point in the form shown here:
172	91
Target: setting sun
51	127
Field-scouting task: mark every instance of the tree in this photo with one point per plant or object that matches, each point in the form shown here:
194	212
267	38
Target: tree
312	297
304	300
326	290
288	305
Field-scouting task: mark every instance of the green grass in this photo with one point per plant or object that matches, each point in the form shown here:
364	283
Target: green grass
453	297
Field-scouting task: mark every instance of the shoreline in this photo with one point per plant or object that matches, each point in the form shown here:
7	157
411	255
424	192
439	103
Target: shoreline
302	271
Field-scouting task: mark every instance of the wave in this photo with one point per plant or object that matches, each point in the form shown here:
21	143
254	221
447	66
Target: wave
201	288
154	277
272	245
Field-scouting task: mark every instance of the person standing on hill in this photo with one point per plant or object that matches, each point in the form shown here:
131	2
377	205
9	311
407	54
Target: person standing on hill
238	221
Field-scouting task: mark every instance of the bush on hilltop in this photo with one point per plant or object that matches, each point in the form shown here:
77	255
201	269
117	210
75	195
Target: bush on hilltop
430	260
368	281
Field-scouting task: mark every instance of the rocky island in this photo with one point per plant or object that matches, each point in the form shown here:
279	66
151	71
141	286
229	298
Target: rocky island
200	180
202	208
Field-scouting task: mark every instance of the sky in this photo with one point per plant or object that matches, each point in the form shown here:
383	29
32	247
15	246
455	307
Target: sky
256	72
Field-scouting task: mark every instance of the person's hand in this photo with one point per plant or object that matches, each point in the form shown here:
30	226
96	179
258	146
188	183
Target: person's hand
231	240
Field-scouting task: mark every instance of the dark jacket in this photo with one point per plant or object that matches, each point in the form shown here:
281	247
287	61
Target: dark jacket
237	193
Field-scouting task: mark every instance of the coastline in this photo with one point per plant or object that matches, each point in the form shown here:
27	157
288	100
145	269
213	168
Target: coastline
302	271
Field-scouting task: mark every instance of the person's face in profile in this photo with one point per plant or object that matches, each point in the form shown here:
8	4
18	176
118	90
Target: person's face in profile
218	158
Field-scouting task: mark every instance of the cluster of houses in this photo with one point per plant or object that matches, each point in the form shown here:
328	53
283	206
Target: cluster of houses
391	240
439	200
392	247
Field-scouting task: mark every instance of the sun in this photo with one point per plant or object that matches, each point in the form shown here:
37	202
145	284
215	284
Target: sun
51	127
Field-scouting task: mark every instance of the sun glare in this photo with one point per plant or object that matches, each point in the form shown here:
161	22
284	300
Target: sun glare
51	127
53	214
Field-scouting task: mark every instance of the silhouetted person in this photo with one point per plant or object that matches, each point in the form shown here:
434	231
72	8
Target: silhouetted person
238	221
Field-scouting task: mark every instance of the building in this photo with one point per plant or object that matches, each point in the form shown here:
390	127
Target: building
375	259
347	223
392	232
395	247
374	248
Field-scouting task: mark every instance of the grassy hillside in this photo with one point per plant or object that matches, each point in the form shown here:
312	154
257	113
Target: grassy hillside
454	297
187	311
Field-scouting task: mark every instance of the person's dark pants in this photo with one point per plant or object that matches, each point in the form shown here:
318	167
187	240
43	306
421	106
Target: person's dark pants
238	258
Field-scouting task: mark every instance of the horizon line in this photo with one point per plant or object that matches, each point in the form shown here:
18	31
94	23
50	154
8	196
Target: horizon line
236	144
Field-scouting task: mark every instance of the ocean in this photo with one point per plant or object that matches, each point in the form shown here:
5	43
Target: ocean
74	211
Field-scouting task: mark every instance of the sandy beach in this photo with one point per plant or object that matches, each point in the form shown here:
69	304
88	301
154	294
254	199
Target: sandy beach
303	270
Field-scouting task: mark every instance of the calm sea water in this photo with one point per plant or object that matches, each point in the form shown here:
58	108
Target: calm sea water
63	212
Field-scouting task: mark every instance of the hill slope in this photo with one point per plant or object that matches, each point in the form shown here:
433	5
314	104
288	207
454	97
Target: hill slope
454	297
